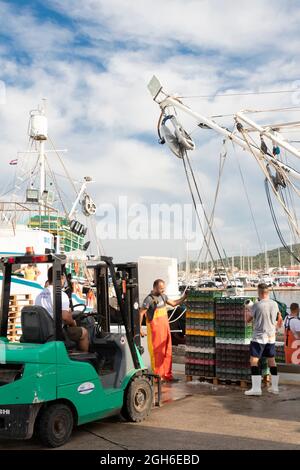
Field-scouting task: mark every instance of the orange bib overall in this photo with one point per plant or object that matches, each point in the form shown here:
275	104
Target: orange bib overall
160	343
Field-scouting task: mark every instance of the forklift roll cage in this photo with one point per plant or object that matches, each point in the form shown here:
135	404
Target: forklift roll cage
6	265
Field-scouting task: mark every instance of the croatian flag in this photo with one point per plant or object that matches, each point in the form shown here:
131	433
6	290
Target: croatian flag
14	162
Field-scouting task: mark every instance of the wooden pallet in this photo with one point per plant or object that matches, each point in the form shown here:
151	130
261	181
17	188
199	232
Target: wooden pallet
14	319
14	339
219	381
243	383
15	297
13	308
200	378
16	303
13	329
24	303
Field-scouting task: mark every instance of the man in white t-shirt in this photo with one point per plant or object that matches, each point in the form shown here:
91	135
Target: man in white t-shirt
263	314
45	299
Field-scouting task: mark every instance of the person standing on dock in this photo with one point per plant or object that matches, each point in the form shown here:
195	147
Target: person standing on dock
158	329
291	334
264	314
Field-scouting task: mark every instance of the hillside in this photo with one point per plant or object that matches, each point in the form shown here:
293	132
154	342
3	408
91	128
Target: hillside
260	260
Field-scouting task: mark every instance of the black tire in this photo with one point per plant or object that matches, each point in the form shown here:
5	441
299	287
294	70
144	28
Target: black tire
55	425
138	400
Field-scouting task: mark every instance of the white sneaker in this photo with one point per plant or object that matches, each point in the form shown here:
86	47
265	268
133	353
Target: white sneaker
255	390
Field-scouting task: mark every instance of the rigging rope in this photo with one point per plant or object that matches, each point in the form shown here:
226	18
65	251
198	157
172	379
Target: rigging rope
204	211
221	167
92	223
264	170
275	92
276	224
63	165
185	160
248	199
56	186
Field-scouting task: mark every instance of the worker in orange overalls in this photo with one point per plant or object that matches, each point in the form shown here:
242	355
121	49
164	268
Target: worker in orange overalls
291	335
158	329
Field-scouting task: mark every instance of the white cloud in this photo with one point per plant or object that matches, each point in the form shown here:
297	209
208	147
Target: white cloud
30	33
229	27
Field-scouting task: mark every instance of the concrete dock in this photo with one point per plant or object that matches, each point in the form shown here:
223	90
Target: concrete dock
197	416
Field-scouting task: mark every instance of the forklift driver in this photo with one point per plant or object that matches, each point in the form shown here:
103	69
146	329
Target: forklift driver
45	299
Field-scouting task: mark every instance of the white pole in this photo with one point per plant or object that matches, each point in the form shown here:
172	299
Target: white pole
241	258
42	176
266	258
83	188
248	263
187	263
42	168
274	137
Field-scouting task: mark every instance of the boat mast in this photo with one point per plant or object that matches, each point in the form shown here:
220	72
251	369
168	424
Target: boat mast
42	169
187	264
38	132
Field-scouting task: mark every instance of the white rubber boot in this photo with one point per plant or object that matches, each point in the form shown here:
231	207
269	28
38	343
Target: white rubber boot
255	390
274	387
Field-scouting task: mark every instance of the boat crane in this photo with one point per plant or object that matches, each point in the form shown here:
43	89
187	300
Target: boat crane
278	174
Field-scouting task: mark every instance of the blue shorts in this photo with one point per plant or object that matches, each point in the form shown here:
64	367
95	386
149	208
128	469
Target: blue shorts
262	350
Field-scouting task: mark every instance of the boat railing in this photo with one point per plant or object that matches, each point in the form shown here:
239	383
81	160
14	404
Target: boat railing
13	213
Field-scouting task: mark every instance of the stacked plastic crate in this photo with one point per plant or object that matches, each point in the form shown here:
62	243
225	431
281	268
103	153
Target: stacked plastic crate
200	357
233	336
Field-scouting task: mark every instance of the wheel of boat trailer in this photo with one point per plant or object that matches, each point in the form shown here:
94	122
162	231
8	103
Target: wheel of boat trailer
137	400
55	425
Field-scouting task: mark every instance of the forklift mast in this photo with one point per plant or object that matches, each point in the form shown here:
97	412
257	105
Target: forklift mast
125	281
128	272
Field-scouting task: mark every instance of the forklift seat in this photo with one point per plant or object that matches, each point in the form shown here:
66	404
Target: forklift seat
38	326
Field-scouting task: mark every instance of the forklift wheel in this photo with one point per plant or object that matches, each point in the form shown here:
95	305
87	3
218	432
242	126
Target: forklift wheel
55	425
138	400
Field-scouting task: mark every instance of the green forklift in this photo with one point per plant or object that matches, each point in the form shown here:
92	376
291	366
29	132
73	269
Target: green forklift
47	387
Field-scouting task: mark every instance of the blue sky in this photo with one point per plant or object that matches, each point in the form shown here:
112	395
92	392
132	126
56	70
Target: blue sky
92	60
